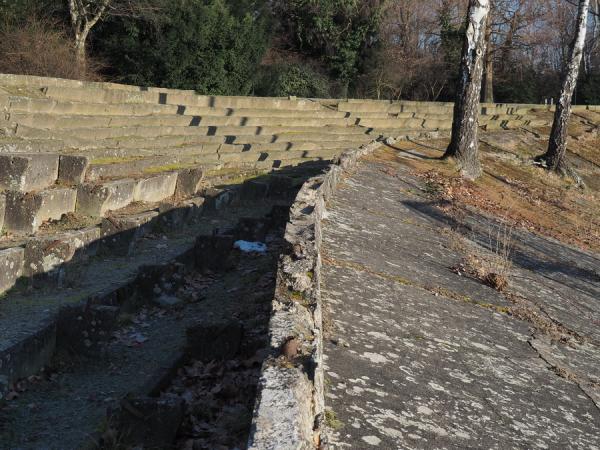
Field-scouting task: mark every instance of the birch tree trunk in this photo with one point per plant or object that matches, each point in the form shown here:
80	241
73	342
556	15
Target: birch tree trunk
464	147
488	81
555	156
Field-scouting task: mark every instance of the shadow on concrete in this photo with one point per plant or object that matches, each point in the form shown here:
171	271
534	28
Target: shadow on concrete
559	262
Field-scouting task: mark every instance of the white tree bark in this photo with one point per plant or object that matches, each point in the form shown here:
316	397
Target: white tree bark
555	157
84	15
464	145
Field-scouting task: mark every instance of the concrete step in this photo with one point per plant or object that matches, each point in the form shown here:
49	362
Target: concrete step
158	183
29	319
69	121
80	291
26	212
44	82
15	144
89	137
112	96
168	159
408	124
23	172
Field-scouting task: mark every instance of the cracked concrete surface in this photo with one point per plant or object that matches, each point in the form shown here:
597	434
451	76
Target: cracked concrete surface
420	357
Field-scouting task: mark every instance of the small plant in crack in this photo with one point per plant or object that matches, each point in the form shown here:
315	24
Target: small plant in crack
491	262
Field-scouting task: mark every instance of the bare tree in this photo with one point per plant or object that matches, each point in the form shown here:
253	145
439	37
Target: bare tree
555	156
84	15
464	147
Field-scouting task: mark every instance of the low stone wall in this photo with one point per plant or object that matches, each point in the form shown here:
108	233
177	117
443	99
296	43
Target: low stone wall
289	409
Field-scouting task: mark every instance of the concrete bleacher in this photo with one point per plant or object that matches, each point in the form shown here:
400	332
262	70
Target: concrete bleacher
89	150
97	178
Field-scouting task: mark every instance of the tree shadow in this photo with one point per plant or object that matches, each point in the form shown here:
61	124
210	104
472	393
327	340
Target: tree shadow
529	251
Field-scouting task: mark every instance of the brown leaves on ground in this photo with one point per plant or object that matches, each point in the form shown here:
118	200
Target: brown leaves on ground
219	399
521	194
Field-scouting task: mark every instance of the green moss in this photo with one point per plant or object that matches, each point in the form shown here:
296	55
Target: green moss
114	160
167	168
297	296
332	421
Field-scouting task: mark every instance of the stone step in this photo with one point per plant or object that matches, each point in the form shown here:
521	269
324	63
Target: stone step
26	212
67	120
44	82
41	256
18	145
97	199
169	159
511	124
24	172
44	105
188	118
98	137
409	124
110	96
11	268
29	319
79	287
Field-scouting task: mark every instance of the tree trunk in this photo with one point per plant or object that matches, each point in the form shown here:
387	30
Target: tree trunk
80	53
554	157
464	142
488	81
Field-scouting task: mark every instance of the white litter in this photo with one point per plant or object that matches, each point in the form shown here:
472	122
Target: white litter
250	247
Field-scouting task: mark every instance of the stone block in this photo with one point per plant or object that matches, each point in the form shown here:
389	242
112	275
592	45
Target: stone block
120	234
2	211
26	173
11	267
26	212
72	169
97	199
48	254
156	188
189	182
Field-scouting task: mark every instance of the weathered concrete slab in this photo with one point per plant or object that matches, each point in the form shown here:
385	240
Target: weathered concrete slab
121	233
26	173
97	199
2	211
156	188
11	267
189	182
26	212
420	357
72	169
48	254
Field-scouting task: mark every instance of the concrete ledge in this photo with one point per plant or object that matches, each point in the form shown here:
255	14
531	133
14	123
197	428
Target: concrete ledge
290	403
156	188
26	212
47	254
11	267
2	211
25	173
97	199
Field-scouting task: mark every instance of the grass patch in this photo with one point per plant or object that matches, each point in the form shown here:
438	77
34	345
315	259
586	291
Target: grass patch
332	421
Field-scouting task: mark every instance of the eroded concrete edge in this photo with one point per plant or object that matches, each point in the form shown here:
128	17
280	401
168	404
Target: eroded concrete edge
290	400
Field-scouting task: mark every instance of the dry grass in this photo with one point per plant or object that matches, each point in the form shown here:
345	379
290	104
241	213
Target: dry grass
514	189
41	47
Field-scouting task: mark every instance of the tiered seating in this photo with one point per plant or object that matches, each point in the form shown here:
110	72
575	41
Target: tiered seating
390	117
81	162
88	150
